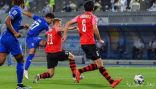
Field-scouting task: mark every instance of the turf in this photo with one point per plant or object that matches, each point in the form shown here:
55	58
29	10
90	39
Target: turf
93	80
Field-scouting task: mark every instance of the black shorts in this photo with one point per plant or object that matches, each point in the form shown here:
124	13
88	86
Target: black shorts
53	58
91	51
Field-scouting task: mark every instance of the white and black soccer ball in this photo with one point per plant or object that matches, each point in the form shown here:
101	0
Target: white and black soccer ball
139	79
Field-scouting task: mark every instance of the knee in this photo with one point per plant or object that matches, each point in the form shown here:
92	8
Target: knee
2	60
43	43
1	63
71	56
99	63
32	51
19	58
99	66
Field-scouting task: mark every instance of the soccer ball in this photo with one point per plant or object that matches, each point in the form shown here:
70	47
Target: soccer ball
138	79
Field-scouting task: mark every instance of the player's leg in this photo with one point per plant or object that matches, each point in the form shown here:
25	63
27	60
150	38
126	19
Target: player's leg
16	51
90	67
3	53
28	61
76	74
103	70
32	43
42	43
72	63
51	64
105	73
19	68
48	74
97	60
95	57
89	51
2	58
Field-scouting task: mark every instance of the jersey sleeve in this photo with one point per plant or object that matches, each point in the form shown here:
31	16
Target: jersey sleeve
74	20
94	20
46	28
35	17
14	13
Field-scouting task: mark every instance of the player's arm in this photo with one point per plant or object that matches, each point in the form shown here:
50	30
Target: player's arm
28	14
10	27
73	28
96	30
25	26
97	34
68	24
70	28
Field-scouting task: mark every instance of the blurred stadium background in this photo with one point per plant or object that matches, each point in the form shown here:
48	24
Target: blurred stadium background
128	28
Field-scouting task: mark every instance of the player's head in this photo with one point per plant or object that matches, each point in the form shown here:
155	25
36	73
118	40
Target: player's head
49	17
57	22
89	6
19	3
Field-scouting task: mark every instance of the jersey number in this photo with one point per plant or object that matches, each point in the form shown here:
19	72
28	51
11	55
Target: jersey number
34	25
84	25
50	42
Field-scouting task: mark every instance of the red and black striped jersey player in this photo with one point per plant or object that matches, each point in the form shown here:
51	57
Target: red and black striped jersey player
55	52
87	25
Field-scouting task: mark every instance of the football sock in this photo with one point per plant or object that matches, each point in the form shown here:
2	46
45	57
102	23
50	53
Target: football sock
104	72
19	71
90	67
45	75
28	61
72	66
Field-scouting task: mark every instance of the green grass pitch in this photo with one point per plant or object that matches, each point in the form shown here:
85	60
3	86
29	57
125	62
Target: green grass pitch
93	80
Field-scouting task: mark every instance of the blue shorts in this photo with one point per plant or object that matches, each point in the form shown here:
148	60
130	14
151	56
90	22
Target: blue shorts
33	42
10	45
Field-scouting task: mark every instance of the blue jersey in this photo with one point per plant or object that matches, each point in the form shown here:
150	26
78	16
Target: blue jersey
16	17
8	42
38	26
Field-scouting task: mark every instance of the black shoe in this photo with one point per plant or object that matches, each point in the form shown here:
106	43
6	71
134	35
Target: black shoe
21	86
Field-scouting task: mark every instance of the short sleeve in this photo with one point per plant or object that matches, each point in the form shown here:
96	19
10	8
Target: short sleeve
46	27
35	17
14	14
74	20
94	20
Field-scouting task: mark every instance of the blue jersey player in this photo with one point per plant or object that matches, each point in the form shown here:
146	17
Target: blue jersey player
9	42
33	40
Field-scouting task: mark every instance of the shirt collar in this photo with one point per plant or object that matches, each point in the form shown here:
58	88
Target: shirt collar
16	6
88	12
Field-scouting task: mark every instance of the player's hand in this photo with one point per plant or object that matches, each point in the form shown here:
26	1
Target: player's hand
64	38
76	28
101	41
26	26
17	35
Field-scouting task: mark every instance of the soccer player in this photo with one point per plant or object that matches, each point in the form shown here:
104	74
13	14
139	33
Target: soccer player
9	42
55	52
87	24
32	39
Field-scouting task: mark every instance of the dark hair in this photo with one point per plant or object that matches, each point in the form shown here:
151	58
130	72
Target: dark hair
89	6
56	20
18	2
49	15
